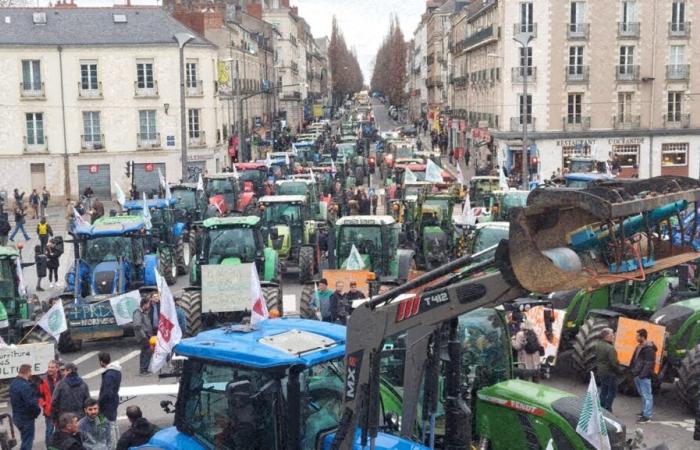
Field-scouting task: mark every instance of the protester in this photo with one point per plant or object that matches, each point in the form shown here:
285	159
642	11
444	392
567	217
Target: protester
143	330
320	301
181	316
53	256
19	199
607	368
34	203
44	231
154	313
140	431
19	224
67	436
45	197
95	430
25	407
642	368
350	296
97	211
5	228
46	388
70	214
528	346
374	200
108	398
41	262
337	302
70	394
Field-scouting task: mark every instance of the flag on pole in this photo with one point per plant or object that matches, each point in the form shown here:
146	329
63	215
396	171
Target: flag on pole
168	194
161	178
259	311
333	170
311	171
591	424
200	183
467	212
354	261
502	181
608	169
121	197
433	172
235	170
286	159
169	332
460	175
79	221
146	213
409	176
268	161
21	285
54	321
123	306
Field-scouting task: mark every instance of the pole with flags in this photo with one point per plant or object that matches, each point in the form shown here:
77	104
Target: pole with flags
146	213
121	197
169	332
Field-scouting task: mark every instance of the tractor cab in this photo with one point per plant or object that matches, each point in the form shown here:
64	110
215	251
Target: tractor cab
162	215
189	202
305	187
225	194
481	188
583	180
17	313
306	151
252	177
578	164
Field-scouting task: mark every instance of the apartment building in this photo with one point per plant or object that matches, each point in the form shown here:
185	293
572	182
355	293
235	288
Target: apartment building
417	72
437	31
87	90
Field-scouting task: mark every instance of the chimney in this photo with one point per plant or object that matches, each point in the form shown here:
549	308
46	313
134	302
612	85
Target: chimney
255	10
213	19
63	4
284	3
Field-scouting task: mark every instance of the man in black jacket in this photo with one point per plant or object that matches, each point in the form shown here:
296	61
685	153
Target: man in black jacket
108	399
139	433
25	406
337	303
70	394
642	368
66	436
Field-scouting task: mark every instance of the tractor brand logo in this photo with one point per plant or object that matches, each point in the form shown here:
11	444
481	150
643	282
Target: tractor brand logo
408	308
351	373
434	300
512	404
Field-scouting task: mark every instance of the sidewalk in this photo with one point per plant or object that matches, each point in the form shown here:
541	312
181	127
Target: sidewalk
467	171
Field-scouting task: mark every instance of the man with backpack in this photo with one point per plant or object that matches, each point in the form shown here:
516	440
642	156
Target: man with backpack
528	346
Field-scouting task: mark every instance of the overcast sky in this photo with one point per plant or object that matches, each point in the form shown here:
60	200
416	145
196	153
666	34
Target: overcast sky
364	22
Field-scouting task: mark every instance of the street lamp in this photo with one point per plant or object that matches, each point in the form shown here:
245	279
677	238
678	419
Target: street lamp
182	40
524	40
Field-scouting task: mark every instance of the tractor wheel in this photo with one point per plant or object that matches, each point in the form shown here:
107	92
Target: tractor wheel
688	383
191	303
272	298
583	357
167	268
306	311
66	343
306	264
182	255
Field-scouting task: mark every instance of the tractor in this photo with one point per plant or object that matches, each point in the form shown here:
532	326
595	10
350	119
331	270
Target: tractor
18	312
229	241
296	236
224	192
480	192
306	187
252	177
431	230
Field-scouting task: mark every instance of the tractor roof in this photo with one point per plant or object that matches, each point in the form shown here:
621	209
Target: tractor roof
250	166
216	222
484	178
365	220
283	199
186	186
587	176
296	180
221	176
8	252
275	343
157	203
111	226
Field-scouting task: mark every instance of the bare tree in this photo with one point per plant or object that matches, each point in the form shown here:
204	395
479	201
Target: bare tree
389	75
345	69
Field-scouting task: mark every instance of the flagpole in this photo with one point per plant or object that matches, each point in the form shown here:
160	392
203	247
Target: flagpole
28	333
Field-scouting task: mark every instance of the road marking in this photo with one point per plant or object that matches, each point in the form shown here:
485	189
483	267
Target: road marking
121	361
687	424
85	357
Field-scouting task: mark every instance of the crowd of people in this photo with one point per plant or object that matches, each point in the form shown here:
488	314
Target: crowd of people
335	306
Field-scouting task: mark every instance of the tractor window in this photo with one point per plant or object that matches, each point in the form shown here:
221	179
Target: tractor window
485	347
488	237
367	239
186	199
220	186
510	201
444	206
7	278
108	248
231	243
282	213
291	189
223	422
251	175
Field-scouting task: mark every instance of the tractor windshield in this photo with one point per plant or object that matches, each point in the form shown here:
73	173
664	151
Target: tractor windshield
292	189
442	204
186	199
512	200
231	243
253	175
220	186
481	188
107	248
485	347
282	213
8	274
367	240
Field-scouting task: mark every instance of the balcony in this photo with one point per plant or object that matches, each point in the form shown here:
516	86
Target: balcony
628	30
576	123
577	74
145	141
628	122
194	88
517	124
576	31
290	95
32	91
146	91
197	139
628	72
92	142
678	72
36	147
522	74
678	29
525	28
676	120
89	92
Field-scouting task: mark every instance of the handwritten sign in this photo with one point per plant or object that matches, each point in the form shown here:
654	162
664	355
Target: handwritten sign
626	340
358	276
37	355
226	288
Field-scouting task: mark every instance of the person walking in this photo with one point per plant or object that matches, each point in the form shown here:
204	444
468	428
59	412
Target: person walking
95	430
25	405
607	368
108	398
45	197
34	203
69	214
41	263
140	431
67	437
19	223
642	368
143	330
19	199
337	302
46	388
528	346
70	394
53	256
374	200
44	231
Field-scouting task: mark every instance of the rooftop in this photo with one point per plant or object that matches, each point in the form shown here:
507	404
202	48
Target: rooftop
157	203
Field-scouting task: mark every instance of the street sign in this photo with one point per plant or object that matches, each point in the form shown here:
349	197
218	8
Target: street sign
170	141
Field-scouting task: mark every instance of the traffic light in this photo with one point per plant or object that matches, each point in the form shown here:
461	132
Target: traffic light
128	168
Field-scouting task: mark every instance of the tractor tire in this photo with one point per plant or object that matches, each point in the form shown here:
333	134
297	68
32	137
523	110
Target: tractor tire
66	343
272	297
191	303
687	385
167	268
306	311
306	264
583	358
182	255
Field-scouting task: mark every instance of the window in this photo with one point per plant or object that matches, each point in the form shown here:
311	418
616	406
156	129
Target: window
526	61
576	60
91	127
674	154
628	14
191	75
526	20
678	16
35	128
626	56
624	106
144	75
675	106
525	108
193	123
575	151
574	107
147	125
31	75
628	154
88	75
577	16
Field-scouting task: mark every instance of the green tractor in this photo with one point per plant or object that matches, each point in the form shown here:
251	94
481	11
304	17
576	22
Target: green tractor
432	231
306	187
18	313
230	241
289	226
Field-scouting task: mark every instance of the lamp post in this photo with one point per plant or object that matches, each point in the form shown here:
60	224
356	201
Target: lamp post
182	40
524	40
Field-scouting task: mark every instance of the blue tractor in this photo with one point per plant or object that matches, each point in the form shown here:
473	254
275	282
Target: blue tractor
112	257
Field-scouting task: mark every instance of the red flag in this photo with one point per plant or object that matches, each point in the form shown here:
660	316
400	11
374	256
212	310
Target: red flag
259	309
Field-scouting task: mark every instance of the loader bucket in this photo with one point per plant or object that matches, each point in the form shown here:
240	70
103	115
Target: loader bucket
613	230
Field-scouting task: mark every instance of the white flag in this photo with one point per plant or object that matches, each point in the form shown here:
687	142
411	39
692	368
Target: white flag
268	161
200	183
460	175
162	179
354	261
409	176
123	307
591	424
54	321
169	332
146	213
286	159
311	171
235	170
333	170
502	181
168	194
79	221
467	212
433	172
121	197
21	285
258	310
608	169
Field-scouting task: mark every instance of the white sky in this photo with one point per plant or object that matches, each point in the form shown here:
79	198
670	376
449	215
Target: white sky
363	22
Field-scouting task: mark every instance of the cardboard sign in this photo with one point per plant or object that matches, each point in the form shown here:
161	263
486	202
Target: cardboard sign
626	340
536	317
38	355
346	276
226	288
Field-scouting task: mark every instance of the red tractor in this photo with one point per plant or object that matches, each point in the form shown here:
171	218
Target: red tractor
252	177
224	193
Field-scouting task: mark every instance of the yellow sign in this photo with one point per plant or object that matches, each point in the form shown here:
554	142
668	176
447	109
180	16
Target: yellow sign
318	111
223	75
626	340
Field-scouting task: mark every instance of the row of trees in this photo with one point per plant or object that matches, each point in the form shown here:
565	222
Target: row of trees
345	69
389	76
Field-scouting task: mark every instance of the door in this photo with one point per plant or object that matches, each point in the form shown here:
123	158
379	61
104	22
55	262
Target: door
145	179
38	175
97	177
